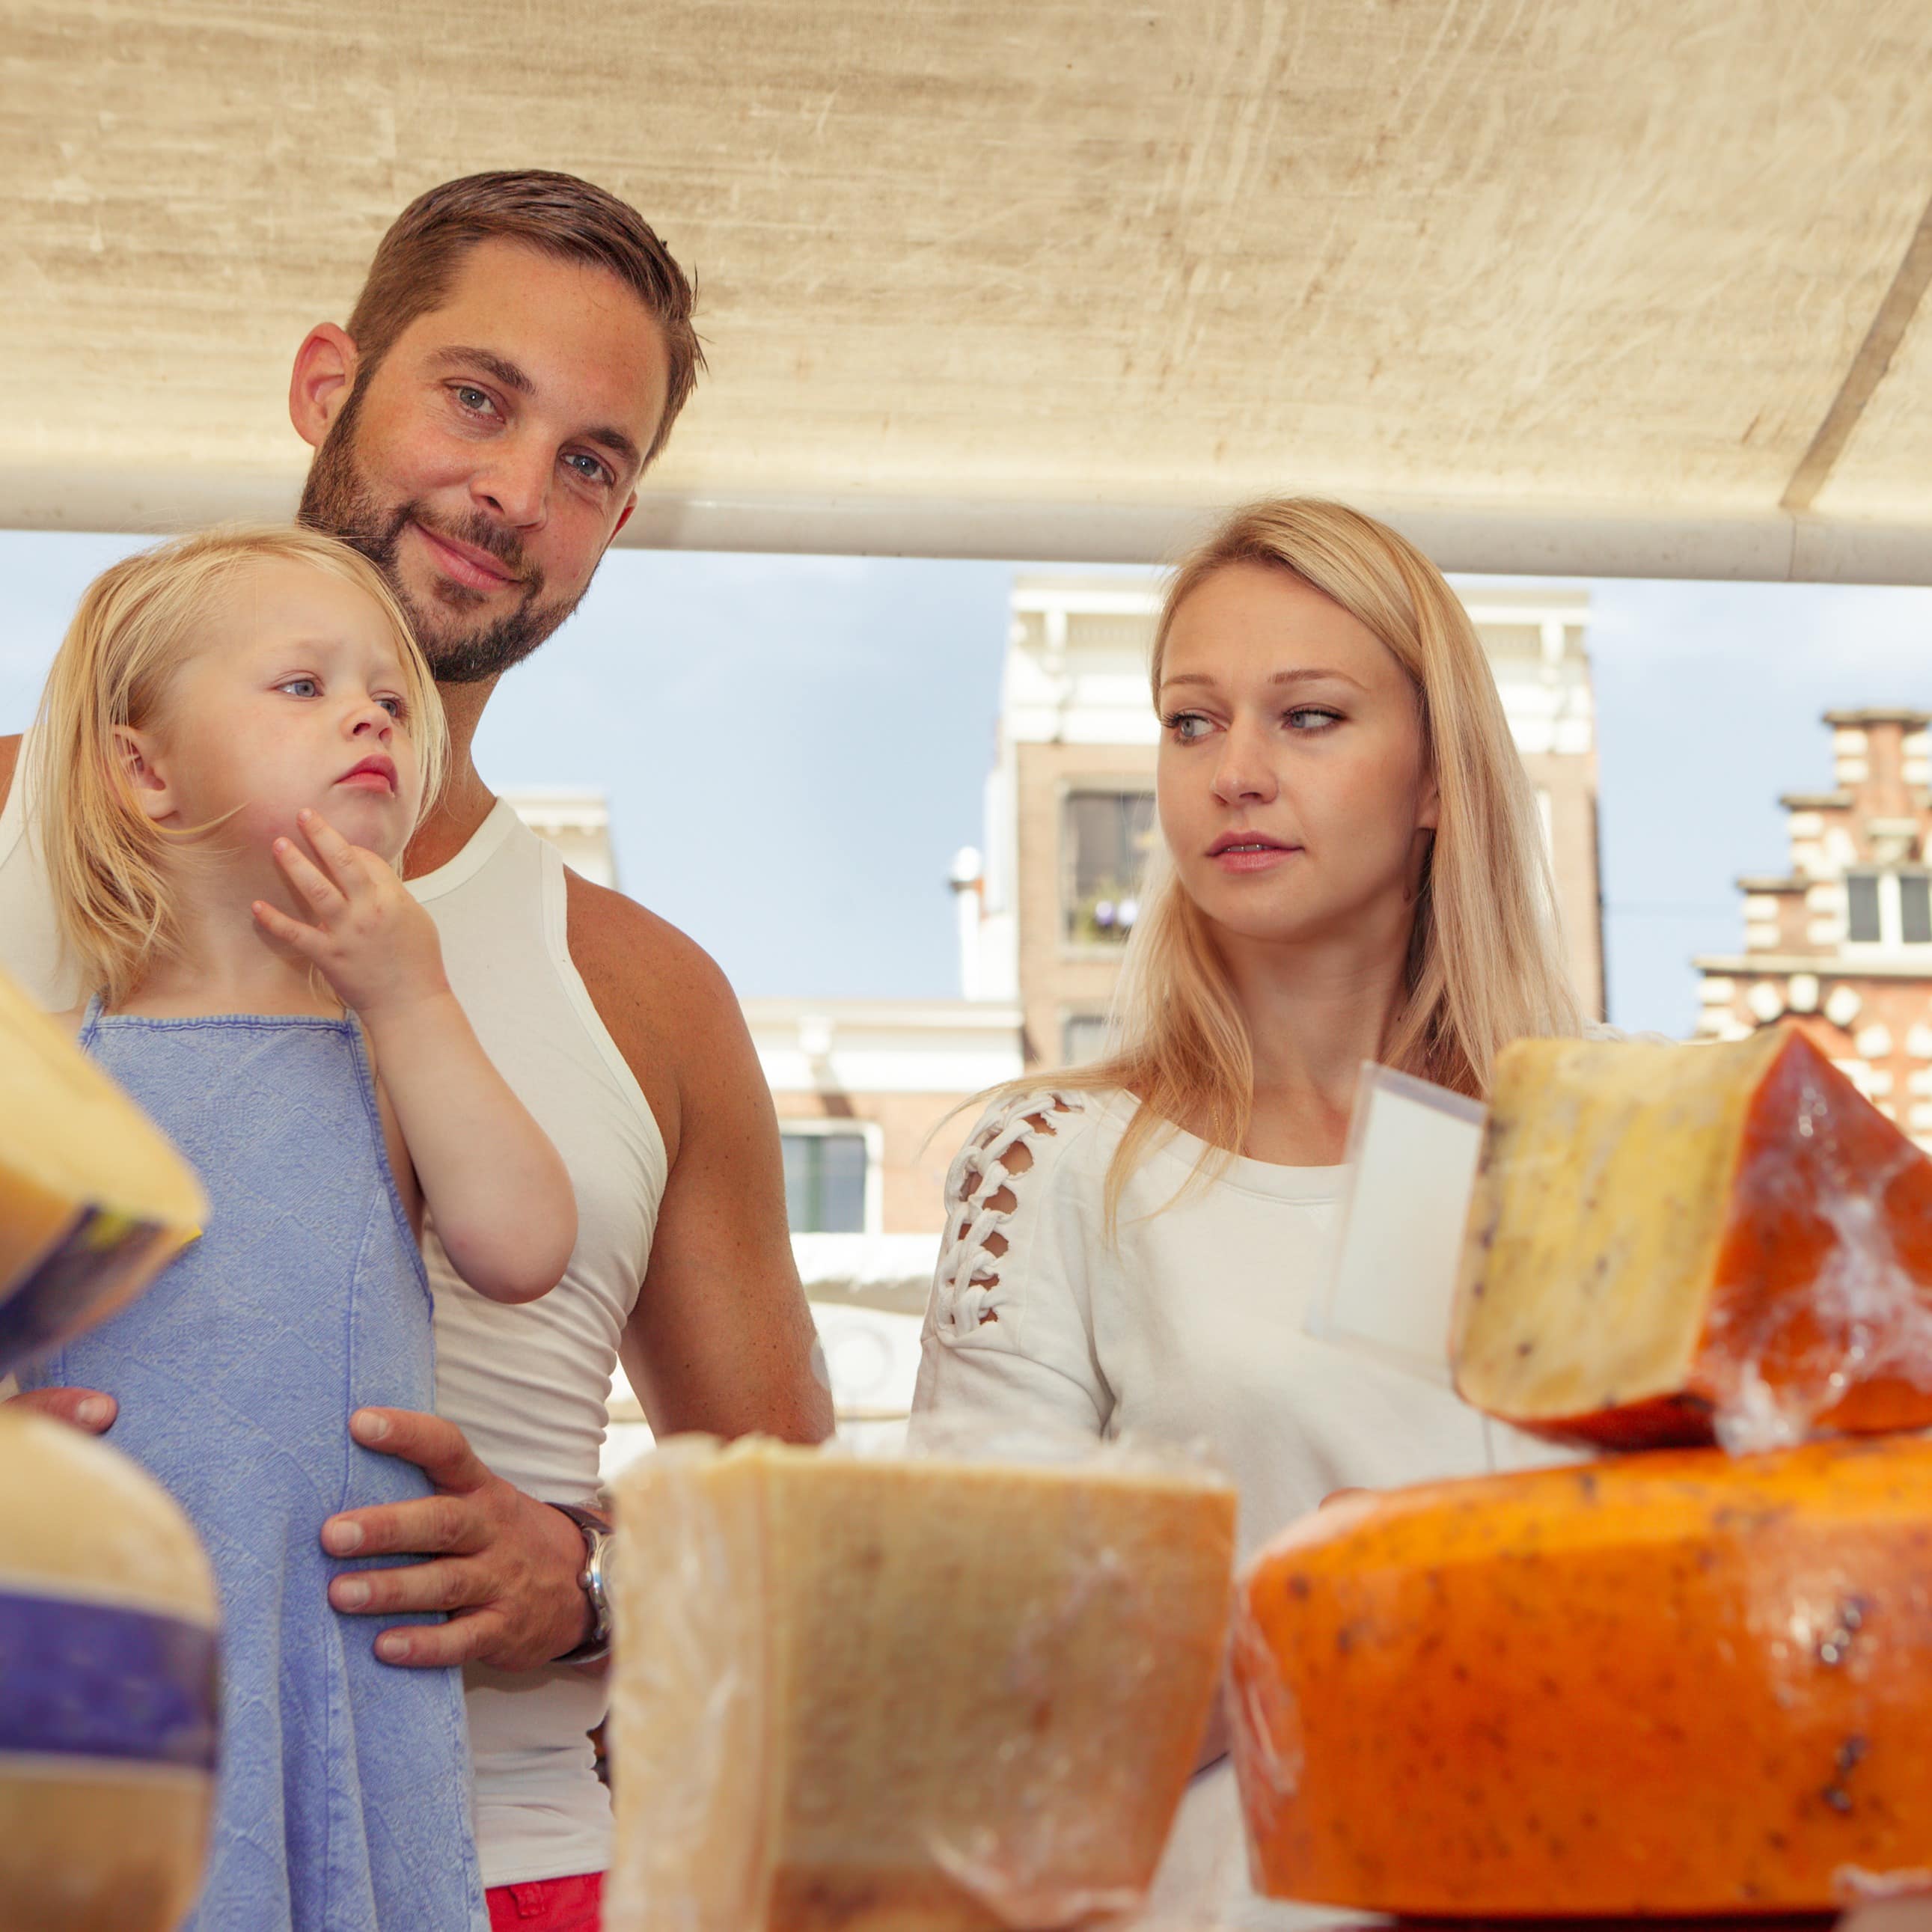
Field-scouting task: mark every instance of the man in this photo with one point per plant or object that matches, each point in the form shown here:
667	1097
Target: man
518	357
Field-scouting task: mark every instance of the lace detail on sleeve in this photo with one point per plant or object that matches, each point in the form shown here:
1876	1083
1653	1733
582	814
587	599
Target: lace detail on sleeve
981	1199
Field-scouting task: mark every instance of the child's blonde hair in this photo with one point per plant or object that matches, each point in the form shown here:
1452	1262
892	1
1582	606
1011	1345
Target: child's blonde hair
137	623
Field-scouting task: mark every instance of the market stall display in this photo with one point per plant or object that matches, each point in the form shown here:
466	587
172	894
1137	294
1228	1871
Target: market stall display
108	1616
930	1695
1668	1680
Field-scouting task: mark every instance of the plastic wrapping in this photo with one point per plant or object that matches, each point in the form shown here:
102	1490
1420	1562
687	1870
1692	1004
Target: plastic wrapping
927	1692
1673	1245
1676	1683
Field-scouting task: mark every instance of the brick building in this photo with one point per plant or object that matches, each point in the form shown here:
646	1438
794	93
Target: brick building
1842	939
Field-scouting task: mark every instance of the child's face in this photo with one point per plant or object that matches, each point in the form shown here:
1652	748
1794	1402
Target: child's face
296	698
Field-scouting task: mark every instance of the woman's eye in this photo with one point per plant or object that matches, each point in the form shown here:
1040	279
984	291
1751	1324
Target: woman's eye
300	687
1187	725
1305	718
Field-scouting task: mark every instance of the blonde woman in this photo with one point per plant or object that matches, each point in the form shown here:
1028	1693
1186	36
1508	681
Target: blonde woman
1351	870
238	737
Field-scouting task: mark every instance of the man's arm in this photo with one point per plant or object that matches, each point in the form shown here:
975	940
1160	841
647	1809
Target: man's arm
720	1339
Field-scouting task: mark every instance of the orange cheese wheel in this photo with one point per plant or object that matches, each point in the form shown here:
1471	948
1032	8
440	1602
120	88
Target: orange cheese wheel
1676	1682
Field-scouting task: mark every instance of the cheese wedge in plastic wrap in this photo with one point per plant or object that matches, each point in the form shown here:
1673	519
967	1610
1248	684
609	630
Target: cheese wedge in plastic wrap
860	1695
93	1201
1681	1682
1673	1245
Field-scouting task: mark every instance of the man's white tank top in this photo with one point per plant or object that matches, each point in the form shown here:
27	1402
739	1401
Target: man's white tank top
528	1384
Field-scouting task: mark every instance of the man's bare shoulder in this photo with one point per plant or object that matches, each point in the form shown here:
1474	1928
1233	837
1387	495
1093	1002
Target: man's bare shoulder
663	998
9	757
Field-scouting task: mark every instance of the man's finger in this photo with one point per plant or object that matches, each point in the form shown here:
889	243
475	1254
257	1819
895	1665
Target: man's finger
438	1448
84	1409
461	1640
449	1585
429	1526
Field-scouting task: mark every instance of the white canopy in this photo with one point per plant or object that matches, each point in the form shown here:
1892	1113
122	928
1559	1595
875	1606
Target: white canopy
1590	285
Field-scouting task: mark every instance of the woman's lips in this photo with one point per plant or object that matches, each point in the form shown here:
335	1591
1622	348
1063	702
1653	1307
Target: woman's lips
463	563
1253	858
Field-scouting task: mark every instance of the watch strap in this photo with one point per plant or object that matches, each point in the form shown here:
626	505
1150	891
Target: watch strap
594	1580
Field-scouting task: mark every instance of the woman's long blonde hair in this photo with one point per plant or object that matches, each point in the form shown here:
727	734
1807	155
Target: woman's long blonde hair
138	622
1485	965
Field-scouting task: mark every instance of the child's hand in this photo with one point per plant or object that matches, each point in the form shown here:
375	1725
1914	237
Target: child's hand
373	944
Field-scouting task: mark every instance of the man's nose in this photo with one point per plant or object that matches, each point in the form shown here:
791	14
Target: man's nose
515	484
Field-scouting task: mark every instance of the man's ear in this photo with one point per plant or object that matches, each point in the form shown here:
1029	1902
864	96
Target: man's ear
624	515
324	374
136	751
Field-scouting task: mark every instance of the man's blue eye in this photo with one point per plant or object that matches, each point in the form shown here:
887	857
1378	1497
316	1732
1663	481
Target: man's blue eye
591	470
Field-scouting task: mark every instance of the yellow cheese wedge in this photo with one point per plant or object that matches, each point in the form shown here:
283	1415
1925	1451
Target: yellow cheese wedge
93	1201
861	1696
1671	1244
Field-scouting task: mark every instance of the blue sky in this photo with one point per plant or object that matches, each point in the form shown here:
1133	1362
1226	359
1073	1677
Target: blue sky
793	748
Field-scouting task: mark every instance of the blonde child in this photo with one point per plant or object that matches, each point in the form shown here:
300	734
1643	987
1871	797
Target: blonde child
238	737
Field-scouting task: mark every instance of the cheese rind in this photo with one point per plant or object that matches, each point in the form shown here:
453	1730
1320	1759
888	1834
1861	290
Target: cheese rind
1681	1682
107	1789
1672	1245
93	1201
935	1696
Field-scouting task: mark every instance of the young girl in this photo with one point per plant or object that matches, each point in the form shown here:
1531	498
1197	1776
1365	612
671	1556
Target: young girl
1353	870
237	737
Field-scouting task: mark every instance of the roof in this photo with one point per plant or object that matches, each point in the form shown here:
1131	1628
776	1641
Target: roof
1569	285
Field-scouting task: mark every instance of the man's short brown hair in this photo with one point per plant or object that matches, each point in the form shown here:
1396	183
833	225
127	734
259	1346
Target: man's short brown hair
417	259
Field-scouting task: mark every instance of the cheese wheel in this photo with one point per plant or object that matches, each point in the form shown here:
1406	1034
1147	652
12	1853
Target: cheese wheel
109	1707
93	1201
854	1695
1679	1682
1673	1245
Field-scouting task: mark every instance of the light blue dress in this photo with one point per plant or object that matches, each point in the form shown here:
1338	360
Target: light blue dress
344	1798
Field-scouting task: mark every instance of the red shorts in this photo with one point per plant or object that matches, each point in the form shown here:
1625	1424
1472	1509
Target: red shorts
548	1905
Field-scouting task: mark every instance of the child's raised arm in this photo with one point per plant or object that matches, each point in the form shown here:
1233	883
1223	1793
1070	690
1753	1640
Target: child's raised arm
495	1186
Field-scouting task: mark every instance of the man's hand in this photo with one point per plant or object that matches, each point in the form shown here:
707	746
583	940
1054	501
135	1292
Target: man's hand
505	1566
87	1410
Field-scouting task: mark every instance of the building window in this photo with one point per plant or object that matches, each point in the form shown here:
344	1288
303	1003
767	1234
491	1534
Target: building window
1105	838
1888	909
825	1182
1915	909
1083	1038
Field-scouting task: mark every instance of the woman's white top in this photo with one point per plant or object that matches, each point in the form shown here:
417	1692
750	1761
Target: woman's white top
1190	1327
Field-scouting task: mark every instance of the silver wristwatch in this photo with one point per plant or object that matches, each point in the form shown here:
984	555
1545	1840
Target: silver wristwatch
599	1547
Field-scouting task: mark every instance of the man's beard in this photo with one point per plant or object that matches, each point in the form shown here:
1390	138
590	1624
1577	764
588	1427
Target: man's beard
338	500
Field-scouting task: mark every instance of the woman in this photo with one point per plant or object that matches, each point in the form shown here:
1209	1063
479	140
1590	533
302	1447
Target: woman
1353	870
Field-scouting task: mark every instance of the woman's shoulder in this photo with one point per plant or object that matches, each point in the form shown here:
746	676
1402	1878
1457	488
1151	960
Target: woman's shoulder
1036	1156
1045	1127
